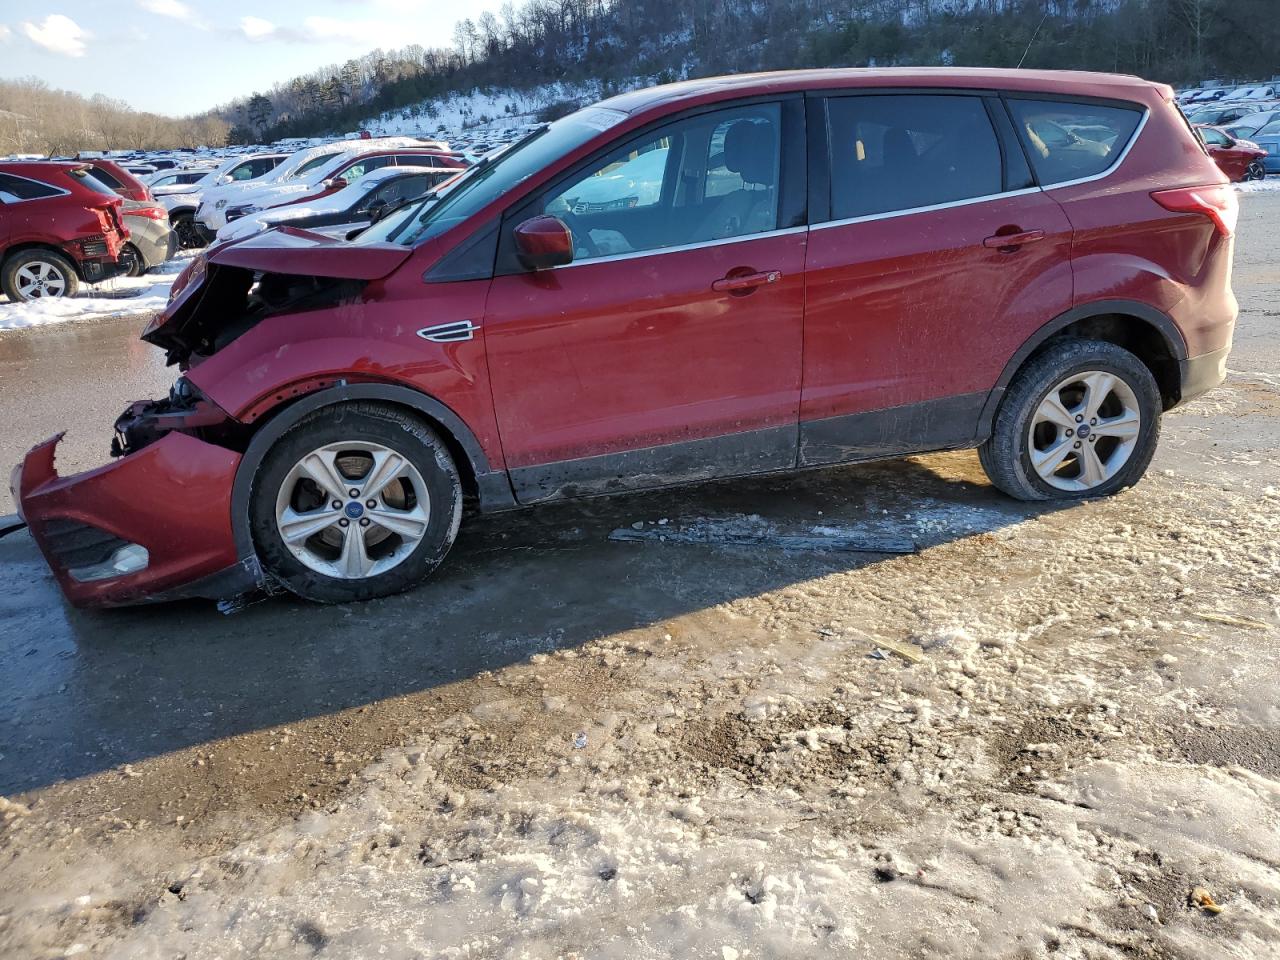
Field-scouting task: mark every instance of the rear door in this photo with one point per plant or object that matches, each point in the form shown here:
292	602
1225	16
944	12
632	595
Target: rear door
669	349
932	257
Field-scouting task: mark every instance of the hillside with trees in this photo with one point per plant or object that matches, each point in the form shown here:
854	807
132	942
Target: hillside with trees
548	41
38	119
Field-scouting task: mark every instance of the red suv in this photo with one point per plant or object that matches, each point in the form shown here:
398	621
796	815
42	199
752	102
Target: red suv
717	278
58	226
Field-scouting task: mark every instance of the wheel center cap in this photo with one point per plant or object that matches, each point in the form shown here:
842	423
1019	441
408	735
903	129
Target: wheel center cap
1082	431
355	509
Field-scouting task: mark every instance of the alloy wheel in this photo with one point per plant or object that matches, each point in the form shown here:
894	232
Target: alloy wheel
1256	171
1084	430
352	510
40	279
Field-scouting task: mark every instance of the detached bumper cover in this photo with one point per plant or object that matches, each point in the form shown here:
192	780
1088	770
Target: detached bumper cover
173	498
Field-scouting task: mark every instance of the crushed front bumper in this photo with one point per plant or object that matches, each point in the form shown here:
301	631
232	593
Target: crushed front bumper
152	525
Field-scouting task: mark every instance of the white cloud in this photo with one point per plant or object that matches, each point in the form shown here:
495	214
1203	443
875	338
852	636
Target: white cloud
174	9
255	28
57	34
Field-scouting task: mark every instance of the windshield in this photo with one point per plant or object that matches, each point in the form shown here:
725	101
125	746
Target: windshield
1269	130
313	163
491	178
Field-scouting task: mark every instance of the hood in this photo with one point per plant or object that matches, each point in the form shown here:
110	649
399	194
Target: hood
217	298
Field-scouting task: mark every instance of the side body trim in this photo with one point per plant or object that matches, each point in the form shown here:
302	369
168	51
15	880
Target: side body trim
947	423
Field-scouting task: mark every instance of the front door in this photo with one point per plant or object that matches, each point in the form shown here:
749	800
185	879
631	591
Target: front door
669	349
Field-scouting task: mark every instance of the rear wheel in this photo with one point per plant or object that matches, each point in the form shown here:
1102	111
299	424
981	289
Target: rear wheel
133	256
355	502
1080	420
37	275
184	225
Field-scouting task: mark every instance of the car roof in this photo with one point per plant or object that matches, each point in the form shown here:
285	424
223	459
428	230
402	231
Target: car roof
34	168
1079	82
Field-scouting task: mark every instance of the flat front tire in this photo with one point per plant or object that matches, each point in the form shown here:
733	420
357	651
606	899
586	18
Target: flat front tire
1081	419
356	501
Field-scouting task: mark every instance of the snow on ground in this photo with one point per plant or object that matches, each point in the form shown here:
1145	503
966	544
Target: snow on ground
1269	185
123	296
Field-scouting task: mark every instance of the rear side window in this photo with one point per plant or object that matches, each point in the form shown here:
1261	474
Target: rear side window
1070	140
20	188
87	178
897	152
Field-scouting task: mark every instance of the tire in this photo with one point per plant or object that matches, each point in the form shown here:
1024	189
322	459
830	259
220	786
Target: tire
137	266
16	274
1256	171
1028	423
317	564
184	225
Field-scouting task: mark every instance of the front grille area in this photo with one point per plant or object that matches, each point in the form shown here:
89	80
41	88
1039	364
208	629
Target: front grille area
73	544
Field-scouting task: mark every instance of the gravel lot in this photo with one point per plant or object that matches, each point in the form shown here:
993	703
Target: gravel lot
1036	737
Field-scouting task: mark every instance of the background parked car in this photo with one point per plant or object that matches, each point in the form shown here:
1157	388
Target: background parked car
151	240
120	180
1268	139
182	200
58	226
1248	125
1238	159
355	206
211	214
337	174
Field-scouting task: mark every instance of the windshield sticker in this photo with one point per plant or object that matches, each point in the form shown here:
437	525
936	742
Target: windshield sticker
600	118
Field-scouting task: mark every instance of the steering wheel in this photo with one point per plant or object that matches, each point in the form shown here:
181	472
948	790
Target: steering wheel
580	233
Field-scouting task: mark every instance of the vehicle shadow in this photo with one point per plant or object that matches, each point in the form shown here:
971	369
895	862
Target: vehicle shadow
87	691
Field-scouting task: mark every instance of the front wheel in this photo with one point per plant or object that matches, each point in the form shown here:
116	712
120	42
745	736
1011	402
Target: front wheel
355	502
184	225
1080	420
1256	171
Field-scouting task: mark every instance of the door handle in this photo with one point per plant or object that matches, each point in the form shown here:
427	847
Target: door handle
1012	241
747	281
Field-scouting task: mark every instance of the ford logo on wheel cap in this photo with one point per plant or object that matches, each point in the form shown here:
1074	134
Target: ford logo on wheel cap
355	510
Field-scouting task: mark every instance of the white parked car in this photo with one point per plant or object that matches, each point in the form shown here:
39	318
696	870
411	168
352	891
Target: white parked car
353	207
292	171
180	191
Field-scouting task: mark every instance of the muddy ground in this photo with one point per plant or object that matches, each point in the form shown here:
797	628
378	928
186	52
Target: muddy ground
1034	738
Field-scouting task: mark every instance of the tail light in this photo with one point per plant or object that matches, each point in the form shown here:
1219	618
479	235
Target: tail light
151	213
1217	202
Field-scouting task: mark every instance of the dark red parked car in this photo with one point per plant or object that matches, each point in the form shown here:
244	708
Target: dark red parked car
716	278
120	180
1239	159
58	226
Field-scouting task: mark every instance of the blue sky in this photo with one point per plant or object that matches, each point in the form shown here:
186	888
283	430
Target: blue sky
184	56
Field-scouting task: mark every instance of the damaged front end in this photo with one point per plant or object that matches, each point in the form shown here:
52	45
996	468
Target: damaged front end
156	523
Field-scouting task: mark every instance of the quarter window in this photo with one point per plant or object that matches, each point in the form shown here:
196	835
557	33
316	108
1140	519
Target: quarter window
20	188
710	177
897	152
1068	141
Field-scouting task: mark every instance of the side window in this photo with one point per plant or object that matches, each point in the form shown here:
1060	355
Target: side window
1071	140
361	167
1214	138
106	177
398	190
709	177
244	171
20	188
896	152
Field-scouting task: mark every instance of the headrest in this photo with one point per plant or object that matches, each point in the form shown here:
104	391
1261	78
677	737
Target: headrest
750	151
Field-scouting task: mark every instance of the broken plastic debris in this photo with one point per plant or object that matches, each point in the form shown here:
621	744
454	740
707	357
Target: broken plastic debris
1200	898
906	653
1232	620
579	740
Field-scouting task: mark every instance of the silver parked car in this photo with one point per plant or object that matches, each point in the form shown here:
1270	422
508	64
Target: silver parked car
152	240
